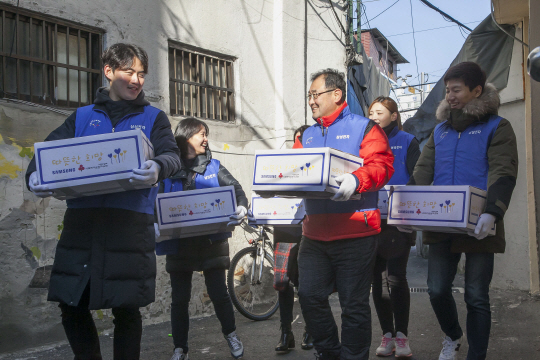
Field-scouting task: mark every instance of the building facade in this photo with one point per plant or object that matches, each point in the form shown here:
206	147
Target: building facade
384	54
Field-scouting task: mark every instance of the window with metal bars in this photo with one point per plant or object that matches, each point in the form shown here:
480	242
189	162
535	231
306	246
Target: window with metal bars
48	60
201	83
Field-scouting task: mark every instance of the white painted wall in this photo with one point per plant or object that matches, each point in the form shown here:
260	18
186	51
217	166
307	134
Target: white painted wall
274	56
512	269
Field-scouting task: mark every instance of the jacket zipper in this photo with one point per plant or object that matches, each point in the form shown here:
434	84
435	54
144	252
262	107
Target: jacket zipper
455	152
365	218
119	121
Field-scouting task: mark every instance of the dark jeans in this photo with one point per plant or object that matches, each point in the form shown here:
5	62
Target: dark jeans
345	265
83	337
181	294
286	304
442	268
391	294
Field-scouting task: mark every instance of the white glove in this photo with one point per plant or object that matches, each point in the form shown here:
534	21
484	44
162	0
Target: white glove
484	225
147	175
39	190
156	230
347	187
238	216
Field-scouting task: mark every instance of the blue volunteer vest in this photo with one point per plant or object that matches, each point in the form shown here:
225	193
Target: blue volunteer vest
202	181
461	157
95	122
346	134
399	143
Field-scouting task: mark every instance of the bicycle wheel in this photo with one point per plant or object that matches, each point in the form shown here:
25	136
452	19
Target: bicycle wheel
257	300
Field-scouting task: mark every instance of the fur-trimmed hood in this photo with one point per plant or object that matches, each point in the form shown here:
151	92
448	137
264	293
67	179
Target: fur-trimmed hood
487	103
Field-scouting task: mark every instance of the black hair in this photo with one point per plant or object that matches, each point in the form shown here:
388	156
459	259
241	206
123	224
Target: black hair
120	56
333	79
300	130
185	130
470	72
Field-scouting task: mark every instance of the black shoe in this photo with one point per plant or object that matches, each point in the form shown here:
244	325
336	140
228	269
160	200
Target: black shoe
307	341
286	341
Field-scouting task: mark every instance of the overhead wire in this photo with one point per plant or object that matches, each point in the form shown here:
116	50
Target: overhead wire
445	15
414	40
424	30
492	8
384	65
376	16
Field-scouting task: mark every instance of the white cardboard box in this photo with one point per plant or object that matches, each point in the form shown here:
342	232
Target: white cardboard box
278	211
92	165
196	212
383	201
305	173
451	209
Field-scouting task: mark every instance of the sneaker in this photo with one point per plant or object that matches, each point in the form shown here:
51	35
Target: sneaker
179	355
235	345
402	346
387	346
450	349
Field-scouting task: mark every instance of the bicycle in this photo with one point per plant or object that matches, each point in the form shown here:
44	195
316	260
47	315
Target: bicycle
251	277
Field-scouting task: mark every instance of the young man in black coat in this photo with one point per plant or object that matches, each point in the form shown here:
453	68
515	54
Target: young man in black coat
105	257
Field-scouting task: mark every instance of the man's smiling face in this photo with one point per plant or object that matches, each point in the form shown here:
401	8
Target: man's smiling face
326	103
126	84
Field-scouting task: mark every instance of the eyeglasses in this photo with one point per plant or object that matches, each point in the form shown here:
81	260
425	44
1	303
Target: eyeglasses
316	95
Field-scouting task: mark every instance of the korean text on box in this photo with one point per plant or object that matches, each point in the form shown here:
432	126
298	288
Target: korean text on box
196	212
305	173
452	208
92	165
278	211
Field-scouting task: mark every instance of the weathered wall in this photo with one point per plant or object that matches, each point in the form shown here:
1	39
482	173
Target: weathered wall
512	269
274	55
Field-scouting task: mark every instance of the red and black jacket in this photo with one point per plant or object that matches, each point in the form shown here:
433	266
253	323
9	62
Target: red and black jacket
328	220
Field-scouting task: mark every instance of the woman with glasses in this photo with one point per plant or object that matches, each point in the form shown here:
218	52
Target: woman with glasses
390	289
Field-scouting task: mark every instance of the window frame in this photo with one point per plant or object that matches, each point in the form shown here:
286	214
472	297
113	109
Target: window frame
198	84
50	82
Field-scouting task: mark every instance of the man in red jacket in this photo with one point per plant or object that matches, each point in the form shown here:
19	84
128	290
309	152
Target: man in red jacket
340	235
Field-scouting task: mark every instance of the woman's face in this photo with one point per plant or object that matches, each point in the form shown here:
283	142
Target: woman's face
198	143
381	115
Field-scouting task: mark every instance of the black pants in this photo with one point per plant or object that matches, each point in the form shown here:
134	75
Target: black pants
286	304
391	294
83	337
442	268
345	265
181	295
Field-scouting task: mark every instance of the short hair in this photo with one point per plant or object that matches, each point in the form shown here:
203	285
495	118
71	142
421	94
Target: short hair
391	105
185	130
470	72
121	55
332	79
300	130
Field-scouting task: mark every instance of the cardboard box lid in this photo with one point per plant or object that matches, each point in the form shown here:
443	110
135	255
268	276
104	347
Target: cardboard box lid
196	207
81	158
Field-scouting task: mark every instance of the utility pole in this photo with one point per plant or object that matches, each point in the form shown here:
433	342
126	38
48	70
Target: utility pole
354	45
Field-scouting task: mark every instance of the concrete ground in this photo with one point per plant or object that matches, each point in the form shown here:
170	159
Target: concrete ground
515	333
